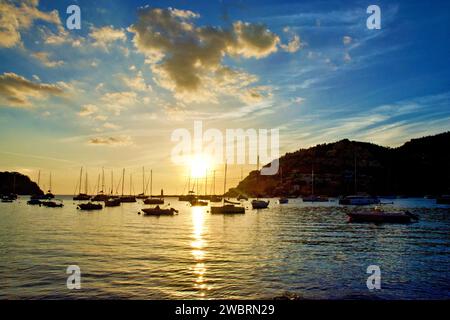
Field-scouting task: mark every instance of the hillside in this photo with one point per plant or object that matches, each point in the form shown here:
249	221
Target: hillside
419	167
14	182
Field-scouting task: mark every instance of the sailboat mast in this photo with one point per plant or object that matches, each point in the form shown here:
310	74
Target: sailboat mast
81	176
112	182
151	183
312	180
98	183
143	180
86	183
123	179
131	182
103	180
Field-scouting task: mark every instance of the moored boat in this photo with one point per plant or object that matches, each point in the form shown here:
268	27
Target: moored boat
242	197
34	202
198	203
283	200
314	198
380	216
157	211
154	201
53	204
260	204
112	202
227	209
359	200
90	206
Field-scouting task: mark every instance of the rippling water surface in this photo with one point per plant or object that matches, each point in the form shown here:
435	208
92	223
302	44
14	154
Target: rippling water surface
306	249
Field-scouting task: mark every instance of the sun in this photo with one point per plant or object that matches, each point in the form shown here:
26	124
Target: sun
200	164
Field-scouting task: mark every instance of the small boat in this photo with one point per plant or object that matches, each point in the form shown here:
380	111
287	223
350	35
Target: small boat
227	209
154	201
198	203
112	202
283	200
34	202
445	199
242	197
141	196
260	204
380	216
82	197
189	197
313	198
52	204
37	197
90	206
157	211
100	197
359	200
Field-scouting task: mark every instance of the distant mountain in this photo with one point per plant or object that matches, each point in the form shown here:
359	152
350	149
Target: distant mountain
14	182
419	167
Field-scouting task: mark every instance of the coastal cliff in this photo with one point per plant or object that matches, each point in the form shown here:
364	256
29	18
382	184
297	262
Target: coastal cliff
14	182
417	168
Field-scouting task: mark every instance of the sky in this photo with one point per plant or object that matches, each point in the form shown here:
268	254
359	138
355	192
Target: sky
111	94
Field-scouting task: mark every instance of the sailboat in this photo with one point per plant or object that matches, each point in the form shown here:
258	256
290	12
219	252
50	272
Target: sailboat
152	200
82	196
191	195
128	198
142	195
358	199
101	196
227	208
312	197
213	197
49	194
34	199
259	204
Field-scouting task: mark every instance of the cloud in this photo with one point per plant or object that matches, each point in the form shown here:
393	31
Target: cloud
87	110
118	101
43	57
294	44
111	141
136	83
18	91
104	36
187	59
16	16
347	40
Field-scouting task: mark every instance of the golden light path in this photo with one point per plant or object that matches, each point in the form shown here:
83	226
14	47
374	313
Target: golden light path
198	244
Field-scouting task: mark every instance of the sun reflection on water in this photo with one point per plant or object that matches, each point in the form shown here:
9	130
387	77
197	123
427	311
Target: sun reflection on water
198	252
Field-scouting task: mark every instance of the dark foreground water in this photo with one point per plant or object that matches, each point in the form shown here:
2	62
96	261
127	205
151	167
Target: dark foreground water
306	249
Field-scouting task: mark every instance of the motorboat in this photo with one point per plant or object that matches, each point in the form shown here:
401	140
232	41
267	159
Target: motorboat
283	200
